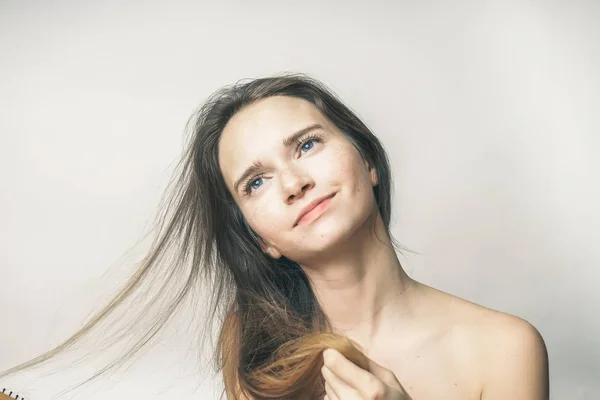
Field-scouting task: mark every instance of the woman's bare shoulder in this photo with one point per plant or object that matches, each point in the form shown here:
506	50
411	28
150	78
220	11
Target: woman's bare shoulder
508	351
515	358
486	324
475	317
482	326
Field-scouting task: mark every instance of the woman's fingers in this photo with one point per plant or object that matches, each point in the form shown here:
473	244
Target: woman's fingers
349	381
336	388
387	376
355	377
330	393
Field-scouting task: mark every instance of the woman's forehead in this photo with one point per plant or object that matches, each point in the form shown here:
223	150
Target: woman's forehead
277	116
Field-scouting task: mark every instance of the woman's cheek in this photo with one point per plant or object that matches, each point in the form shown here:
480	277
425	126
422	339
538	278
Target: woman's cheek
265	219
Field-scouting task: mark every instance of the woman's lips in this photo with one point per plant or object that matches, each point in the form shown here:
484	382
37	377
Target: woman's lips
316	212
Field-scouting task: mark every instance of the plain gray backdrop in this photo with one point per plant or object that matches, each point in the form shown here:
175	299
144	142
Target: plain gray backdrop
489	112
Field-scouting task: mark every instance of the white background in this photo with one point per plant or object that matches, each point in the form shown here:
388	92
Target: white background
489	112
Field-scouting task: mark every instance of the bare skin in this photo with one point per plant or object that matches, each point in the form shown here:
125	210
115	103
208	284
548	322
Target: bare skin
434	345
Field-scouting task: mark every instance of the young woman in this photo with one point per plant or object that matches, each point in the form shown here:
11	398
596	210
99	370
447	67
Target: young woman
285	201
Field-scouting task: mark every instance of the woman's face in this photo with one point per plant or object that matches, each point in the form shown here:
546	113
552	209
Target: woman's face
286	178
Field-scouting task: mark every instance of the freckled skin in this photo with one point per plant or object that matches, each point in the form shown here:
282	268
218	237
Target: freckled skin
294	178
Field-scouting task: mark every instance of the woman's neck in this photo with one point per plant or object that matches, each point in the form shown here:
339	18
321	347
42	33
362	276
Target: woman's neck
362	287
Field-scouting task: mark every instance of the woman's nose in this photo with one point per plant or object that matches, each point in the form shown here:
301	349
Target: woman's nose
294	184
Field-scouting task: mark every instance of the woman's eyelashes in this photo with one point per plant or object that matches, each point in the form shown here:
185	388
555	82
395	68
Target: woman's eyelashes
304	141
251	185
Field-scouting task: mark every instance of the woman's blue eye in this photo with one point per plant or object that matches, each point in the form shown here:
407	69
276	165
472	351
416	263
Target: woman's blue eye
310	141
251	183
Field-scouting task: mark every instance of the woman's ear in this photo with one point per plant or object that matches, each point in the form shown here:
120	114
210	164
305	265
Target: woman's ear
373	174
274	253
374	179
269	249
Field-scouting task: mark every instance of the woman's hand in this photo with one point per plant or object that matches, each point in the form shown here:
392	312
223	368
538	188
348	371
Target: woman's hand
344	380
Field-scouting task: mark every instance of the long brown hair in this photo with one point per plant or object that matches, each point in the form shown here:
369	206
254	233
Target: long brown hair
272	328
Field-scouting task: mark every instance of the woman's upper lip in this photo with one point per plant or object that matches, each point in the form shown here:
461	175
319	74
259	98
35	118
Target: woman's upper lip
312	205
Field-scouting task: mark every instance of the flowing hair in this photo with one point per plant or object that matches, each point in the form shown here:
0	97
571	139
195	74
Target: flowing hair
272	329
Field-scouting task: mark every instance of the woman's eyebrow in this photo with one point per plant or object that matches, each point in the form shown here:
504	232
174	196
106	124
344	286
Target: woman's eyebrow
287	142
